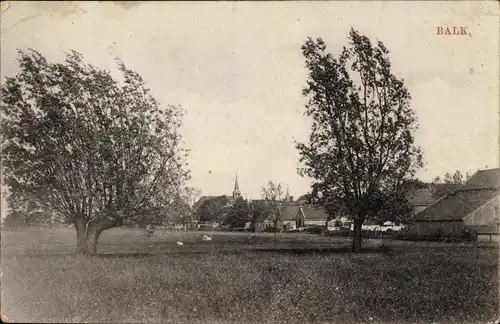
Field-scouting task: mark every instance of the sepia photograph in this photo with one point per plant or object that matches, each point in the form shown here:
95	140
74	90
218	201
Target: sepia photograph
227	162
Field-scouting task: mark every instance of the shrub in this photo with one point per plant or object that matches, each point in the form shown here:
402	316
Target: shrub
318	229
271	229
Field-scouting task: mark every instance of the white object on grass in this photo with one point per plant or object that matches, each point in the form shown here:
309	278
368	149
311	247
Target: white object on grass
179	243
206	238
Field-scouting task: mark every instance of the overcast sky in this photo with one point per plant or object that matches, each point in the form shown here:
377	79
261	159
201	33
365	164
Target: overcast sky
237	70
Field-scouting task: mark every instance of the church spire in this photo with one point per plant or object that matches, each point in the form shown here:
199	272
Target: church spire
236	191
287	195
236	186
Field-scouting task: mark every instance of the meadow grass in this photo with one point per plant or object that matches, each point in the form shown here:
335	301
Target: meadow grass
297	278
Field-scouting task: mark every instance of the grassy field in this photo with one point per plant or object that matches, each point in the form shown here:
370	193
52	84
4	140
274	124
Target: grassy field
299	278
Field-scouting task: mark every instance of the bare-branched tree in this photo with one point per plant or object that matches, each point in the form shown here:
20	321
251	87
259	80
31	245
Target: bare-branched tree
273	193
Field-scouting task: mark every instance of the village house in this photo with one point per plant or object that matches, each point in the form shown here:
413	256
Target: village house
473	207
295	214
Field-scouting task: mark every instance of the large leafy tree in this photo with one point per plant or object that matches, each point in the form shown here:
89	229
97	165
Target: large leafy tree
15	219
238	214
213	210
90	148
25	211
361	152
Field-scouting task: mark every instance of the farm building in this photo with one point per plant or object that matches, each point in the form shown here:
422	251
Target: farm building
423	197
296	215
473	206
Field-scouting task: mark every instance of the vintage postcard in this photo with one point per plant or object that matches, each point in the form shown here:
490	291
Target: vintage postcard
250	162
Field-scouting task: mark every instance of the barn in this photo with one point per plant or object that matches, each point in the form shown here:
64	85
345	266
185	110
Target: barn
472	207
422	198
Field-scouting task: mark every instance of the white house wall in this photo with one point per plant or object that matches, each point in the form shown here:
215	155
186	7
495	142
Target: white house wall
290	224
314	222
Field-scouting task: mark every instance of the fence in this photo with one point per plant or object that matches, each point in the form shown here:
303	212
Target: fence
403	235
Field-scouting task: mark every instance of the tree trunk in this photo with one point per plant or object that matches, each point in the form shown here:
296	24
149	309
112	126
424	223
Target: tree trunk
80	227
93	231
356	235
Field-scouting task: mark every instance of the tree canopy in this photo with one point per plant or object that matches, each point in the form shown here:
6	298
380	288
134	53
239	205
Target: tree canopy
213	209
90	148
238	214
273	196
361	152
455	178
259	211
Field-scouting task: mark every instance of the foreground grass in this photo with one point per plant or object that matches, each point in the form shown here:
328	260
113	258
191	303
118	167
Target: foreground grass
237	279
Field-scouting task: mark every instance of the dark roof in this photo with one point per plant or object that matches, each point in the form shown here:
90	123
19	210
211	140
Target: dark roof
422	196
484	179
290	211
442	189
203	199
457	205
434	191
313	213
